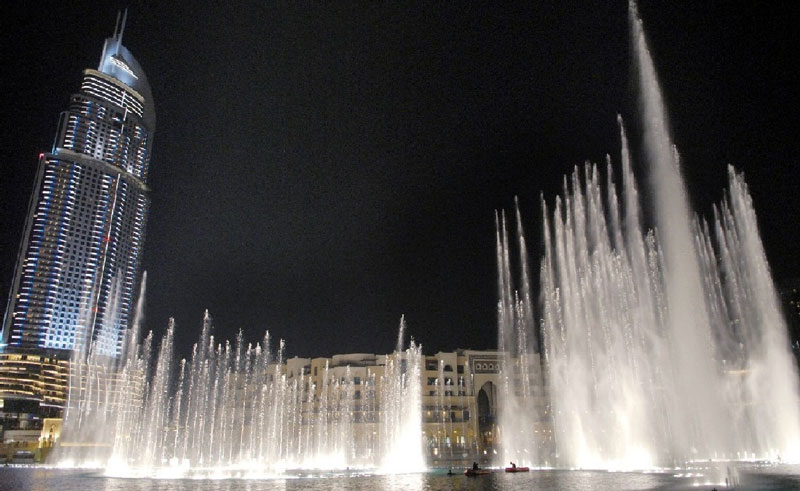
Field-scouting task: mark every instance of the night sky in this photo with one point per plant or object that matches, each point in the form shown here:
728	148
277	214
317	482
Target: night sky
320	170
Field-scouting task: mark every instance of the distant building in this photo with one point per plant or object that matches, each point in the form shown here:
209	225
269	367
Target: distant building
79	261
459	401
80	258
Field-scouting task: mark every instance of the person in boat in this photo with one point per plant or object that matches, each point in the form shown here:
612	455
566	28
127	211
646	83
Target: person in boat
450	472
475	466
513	465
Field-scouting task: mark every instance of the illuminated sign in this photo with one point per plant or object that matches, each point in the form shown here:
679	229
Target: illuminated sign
122	65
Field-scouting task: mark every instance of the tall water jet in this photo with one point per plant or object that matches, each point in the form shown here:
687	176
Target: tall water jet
757	348
101	387
668	345
688	318
401	436
610	355
401	334
521	418
599	347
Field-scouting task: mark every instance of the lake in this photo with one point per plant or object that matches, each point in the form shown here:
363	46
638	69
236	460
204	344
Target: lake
756	477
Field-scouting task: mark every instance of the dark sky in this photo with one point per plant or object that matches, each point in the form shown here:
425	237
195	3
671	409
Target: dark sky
320	170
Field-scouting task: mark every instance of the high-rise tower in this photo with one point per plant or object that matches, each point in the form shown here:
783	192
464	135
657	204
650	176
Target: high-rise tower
80	257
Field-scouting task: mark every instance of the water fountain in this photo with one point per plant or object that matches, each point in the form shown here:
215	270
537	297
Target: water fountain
522	414
660	346
234	411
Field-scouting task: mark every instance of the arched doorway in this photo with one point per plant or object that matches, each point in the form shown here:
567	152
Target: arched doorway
487	418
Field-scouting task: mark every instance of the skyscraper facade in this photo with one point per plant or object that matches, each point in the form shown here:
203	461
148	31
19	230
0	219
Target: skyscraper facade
80	258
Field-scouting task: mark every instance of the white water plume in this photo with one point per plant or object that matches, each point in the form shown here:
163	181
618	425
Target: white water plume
660	346
234	411
401	431
520	418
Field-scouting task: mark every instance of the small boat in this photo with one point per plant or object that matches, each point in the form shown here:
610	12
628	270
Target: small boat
476	472
517	469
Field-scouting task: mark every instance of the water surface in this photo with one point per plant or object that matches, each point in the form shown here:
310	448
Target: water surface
750	477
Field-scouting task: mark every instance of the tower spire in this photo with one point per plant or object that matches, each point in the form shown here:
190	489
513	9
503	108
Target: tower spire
122	28
116	25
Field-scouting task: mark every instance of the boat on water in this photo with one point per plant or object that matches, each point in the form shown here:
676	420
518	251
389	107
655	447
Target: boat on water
476	472
517	469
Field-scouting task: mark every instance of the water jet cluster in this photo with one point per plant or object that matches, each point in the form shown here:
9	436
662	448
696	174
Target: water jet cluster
659	346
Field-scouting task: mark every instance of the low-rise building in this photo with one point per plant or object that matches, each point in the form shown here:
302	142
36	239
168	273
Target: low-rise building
459	399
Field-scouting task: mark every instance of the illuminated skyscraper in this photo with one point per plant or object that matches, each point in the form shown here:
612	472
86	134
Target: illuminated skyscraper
79	262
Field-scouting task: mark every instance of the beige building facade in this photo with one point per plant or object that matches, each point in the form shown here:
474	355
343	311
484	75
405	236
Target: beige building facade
459	403
459	400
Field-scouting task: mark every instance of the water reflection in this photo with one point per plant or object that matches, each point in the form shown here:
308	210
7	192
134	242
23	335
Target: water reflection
705	477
